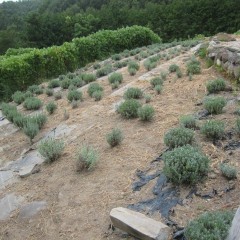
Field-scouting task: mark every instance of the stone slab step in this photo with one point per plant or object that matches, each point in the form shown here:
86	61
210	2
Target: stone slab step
138	225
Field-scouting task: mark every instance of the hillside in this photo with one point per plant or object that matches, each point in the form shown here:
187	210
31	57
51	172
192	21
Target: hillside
76	205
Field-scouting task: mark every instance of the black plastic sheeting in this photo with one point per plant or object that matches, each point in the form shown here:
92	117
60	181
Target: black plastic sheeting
232	145
166	197
143	180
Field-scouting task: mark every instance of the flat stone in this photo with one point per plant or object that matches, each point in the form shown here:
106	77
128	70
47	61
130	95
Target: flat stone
28	170
6	177
32	158
7	128
8	204
3	121
138	225
234	233
57	89
31	209
60	131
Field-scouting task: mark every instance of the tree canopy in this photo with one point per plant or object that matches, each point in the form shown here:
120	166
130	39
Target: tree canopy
36	23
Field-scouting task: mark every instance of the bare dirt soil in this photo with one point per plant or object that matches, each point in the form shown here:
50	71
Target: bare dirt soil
78	204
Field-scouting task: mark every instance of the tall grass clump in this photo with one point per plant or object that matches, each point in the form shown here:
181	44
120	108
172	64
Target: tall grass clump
132	71
31	129
238	126
39	91
54	83
115	137
228	171
93	87
65	83
32	103
149	65
51	107
146	113
188	121
158	89
133	67
129	108
193	66
213	129
33	88
97	95
96	65
134	93
185	165
57	95
51	149
49	92
18	97
115	77
86	158
214	105
210	226
156	81
177	137
74	95
217	85
173	68
148	98
104	71
116	57
88	77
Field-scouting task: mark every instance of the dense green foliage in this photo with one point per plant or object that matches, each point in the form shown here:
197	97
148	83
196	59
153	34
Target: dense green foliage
213	129
51	107
188	121
94	87
74	95
133	92
210	226
185	165
86	158
115	77
146	113
228	171
177	137
129	108
156	81
32	103
18	72
216	85
51	149
42	23
115	137
30	125
214	105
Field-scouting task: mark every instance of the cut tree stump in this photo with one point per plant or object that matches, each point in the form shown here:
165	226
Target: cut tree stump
138	225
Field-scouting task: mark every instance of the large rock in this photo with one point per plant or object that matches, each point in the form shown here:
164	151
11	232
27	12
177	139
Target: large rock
30	159
6	177
139	225
8	204
28	170
31	209
227	56
224	37
234	233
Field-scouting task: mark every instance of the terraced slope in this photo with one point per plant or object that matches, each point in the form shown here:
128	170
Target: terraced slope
77	205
